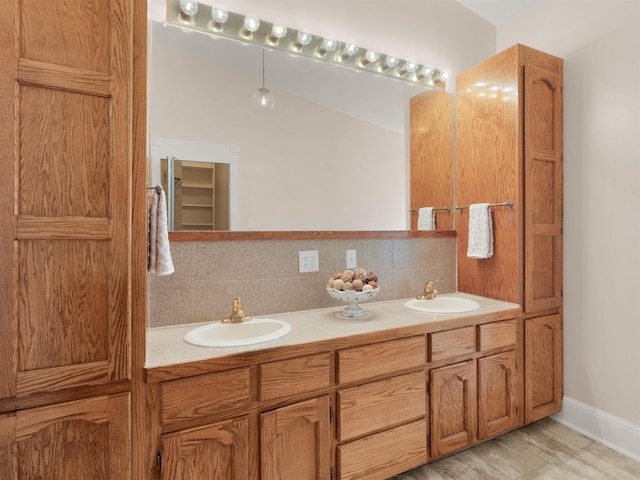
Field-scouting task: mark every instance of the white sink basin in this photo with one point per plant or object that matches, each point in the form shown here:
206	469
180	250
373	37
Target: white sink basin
219	334
442	304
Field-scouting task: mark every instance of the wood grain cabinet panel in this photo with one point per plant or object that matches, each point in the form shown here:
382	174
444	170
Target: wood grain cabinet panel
543	366
451	343
497	395
384	358
296	441
213	452
497	335
294	376
66	238
543	189
385	454
453	407
381	405
75	440
204	396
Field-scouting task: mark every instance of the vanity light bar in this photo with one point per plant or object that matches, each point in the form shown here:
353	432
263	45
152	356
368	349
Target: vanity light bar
217	20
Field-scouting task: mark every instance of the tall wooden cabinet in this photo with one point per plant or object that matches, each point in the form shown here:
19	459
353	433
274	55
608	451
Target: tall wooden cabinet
509	149
66	92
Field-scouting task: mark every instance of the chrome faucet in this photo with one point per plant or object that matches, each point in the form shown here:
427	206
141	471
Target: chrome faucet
237	314
429	291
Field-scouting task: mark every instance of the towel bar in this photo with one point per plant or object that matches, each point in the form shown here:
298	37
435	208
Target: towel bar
505	204
157	188
414	210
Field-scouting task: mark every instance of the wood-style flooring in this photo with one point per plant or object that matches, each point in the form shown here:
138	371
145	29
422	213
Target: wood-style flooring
545	450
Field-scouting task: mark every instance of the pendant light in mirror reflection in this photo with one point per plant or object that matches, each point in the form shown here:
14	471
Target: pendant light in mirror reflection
263	99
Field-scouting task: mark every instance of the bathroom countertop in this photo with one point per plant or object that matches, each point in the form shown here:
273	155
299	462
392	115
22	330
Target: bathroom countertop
166	346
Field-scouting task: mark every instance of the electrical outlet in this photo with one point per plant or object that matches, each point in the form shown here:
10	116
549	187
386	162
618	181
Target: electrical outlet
351	259
308	261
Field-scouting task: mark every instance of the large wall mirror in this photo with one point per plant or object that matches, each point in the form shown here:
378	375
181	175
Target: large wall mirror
341	150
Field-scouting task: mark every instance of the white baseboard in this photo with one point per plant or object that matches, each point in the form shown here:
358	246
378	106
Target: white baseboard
603	427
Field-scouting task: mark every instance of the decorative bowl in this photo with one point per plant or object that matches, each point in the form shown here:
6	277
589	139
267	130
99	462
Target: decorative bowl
352	297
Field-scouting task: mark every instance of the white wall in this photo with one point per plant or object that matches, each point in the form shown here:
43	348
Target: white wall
600	42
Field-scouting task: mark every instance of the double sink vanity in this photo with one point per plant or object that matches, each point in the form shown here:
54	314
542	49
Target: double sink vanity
338	397
321	396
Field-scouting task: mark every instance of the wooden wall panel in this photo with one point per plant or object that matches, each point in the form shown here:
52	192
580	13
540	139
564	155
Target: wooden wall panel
431	139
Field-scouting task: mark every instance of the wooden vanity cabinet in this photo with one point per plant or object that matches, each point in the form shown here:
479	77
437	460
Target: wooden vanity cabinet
207	430
474	394
382	423
296	441
543	366
218	451
354	411
87	438
509	149
67	110
245	424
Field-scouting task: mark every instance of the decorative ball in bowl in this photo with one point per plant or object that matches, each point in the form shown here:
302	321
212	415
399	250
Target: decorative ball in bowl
353	287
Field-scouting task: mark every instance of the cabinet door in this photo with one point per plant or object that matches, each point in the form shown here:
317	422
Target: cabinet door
70	441
65	231
296	441
213	452
453	407
543	189
543	366
497	399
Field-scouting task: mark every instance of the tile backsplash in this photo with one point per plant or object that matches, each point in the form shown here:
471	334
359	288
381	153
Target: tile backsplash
208	275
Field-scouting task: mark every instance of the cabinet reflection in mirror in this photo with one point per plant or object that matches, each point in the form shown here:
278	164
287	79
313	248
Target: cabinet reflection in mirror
198	194
333	154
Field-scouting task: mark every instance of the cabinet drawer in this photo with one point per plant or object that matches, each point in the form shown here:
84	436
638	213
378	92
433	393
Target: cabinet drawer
451	343
384	454
205	395
380	405
497	335
384	358
295	375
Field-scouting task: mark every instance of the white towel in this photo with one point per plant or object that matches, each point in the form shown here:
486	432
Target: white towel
480	231
160	261
426	218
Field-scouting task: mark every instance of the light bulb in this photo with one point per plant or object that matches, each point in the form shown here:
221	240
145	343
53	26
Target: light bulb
303	38
425	71
370	57
390	62
219	13
327	45
263	99
444	74
189	7
348	50
409	67
278	31
251	23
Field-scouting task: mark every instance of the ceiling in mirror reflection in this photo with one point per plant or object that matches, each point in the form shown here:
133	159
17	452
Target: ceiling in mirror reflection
299	166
